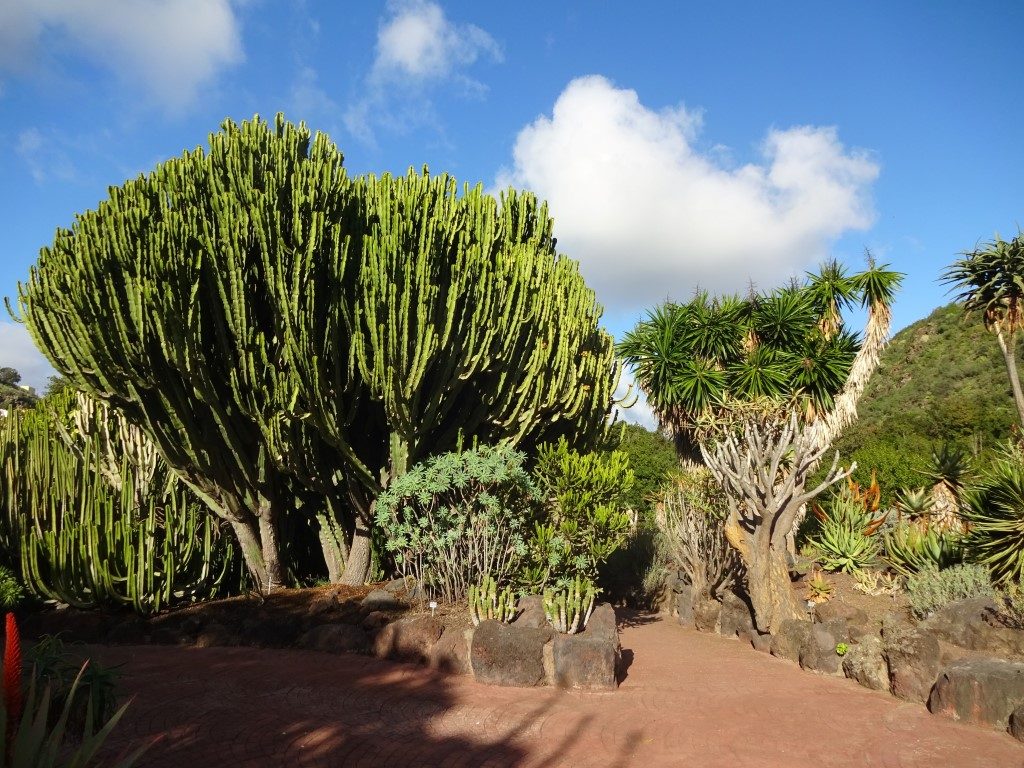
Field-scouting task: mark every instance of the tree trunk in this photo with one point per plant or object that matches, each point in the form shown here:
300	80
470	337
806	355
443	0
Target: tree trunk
357	567
275	575
1010	358
334	546
252	552
768	584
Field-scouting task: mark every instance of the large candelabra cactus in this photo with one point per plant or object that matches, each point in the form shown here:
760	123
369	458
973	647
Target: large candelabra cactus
275	327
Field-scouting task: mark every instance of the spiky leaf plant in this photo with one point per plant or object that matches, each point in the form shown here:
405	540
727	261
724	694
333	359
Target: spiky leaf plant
915	545
847	538
948	469
914	503
994	511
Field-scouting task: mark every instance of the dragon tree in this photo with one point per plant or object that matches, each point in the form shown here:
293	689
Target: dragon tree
713	362
990	280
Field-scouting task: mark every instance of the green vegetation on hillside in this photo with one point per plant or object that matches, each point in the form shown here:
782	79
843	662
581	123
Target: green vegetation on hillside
941	379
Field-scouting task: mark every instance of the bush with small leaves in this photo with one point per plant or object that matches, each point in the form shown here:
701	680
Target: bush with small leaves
458	518
585	514
11	591
931	589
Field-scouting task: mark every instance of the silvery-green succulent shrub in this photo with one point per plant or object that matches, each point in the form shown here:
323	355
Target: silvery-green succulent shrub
459	518
931	589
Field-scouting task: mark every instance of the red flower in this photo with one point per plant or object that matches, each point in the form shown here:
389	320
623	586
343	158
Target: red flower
12	671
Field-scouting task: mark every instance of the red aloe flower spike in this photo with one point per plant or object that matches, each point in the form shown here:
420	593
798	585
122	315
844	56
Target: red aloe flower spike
12	670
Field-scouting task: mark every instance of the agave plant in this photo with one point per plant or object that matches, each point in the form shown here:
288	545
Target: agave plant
819	588
912	546
914	503
847	538
995	516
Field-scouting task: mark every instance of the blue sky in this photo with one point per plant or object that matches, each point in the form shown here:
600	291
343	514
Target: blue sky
679	143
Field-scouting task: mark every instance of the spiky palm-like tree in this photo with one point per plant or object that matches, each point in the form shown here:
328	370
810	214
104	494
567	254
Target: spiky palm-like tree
995	513
707	361
990	280
946	470
875	289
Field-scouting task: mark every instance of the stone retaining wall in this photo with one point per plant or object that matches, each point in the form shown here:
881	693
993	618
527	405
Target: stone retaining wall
960	662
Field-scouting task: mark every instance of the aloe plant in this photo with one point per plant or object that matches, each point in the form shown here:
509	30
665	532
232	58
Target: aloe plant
847	539
912	546
30	737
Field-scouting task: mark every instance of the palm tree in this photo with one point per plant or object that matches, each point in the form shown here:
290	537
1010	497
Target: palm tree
991	279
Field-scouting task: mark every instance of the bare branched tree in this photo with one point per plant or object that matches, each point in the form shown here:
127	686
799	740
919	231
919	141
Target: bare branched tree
764	474
692	524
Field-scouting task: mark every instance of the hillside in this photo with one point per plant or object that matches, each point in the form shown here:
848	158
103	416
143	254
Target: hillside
941	379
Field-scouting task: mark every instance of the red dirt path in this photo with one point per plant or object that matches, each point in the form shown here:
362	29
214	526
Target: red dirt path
688	699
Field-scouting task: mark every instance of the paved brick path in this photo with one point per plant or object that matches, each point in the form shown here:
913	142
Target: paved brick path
688	700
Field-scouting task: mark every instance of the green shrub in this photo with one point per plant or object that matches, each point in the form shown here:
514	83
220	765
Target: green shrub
635	573
585	515
458	518
931	589
11	591
652	457
994	511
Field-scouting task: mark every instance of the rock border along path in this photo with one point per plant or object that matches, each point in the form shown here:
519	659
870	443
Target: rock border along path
688	699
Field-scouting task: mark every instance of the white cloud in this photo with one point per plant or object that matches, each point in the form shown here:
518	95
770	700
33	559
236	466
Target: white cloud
170	47
418	49
17	351
649	214
419	42
46	156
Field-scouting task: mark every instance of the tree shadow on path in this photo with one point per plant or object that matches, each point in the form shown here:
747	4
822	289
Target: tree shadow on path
240	707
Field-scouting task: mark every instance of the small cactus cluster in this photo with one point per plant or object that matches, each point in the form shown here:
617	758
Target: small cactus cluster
568	610
487	602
